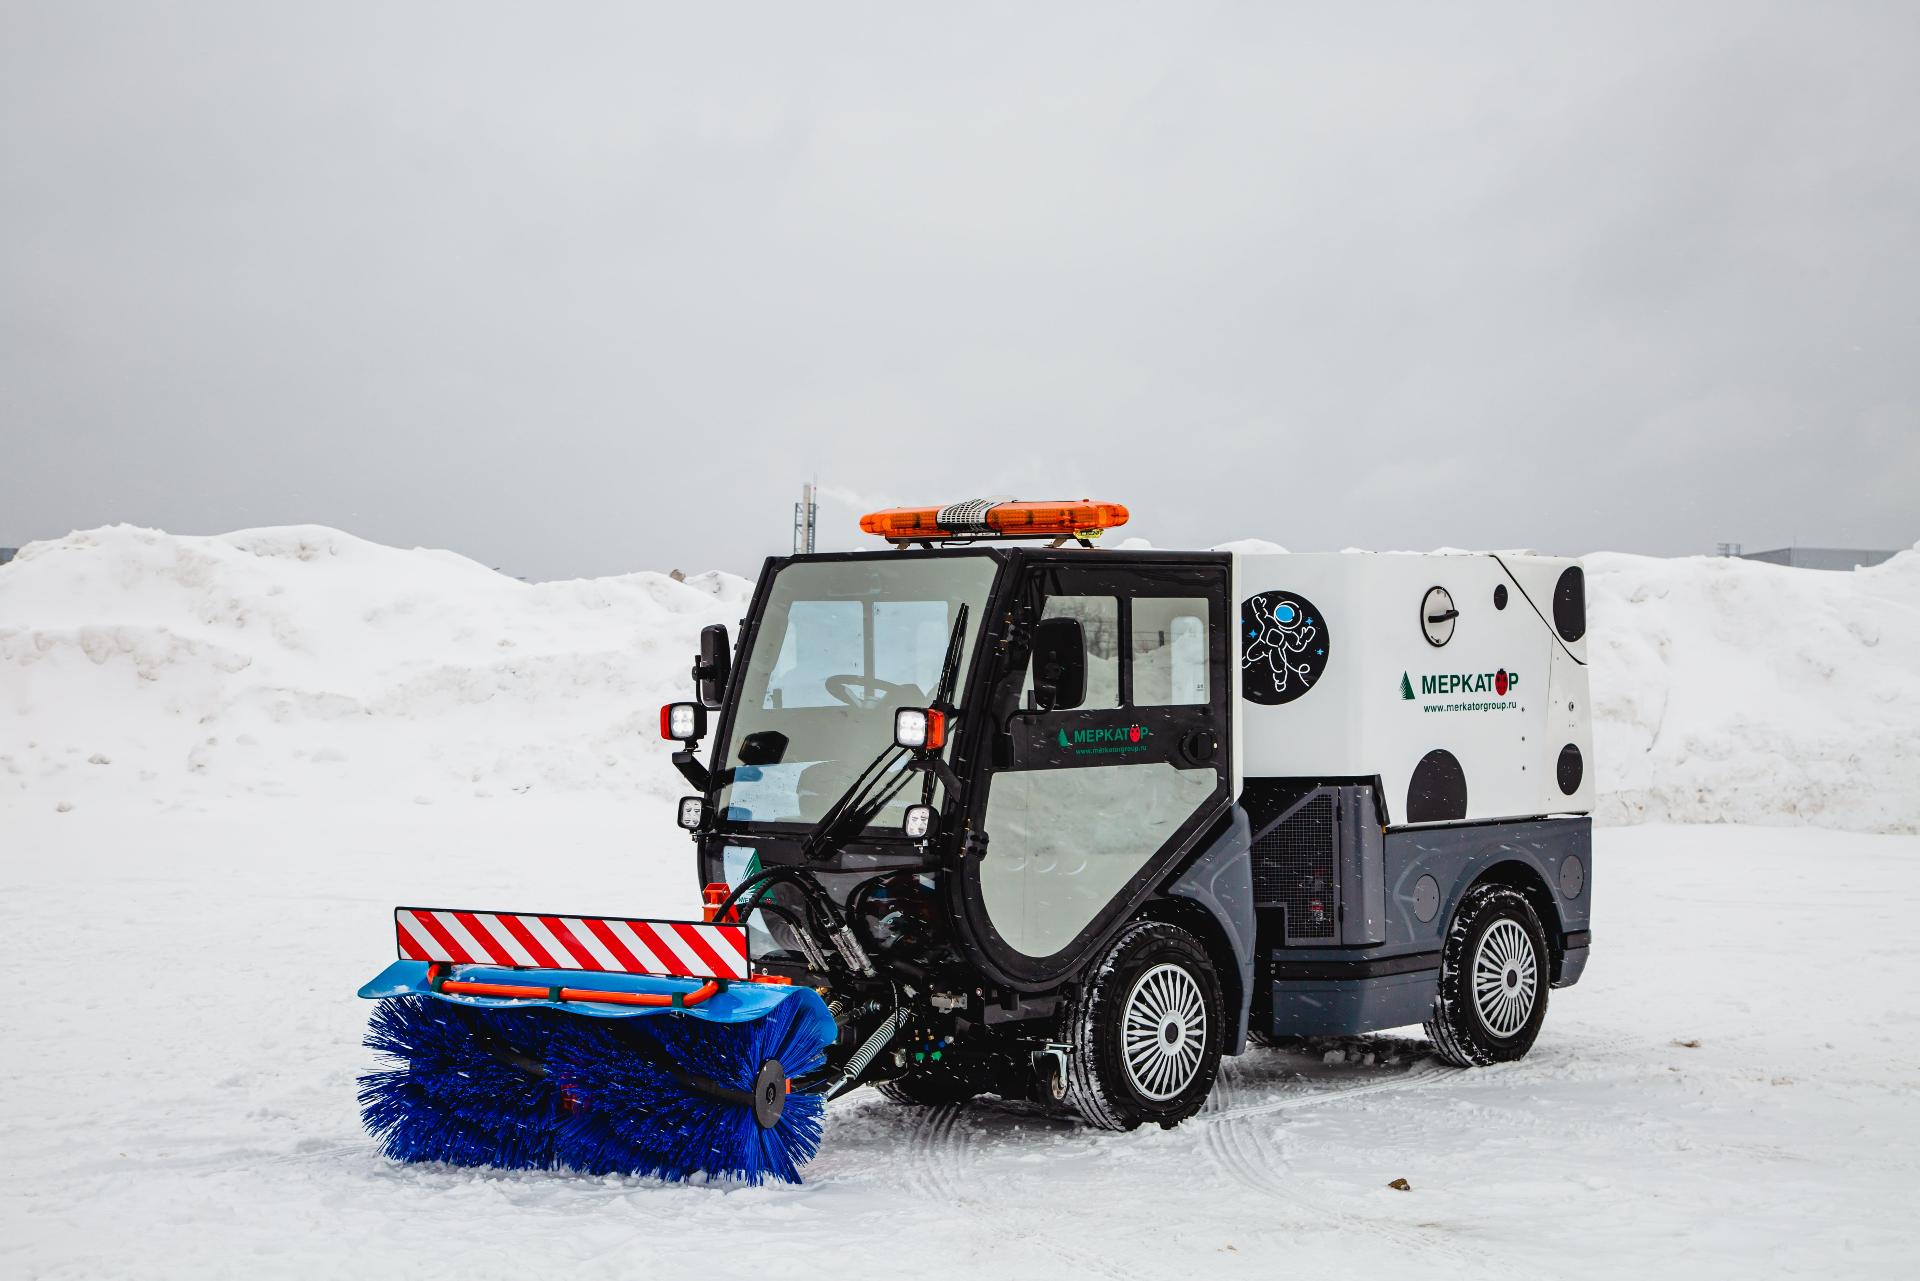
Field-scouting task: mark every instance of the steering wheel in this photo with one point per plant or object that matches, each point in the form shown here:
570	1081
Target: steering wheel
878	692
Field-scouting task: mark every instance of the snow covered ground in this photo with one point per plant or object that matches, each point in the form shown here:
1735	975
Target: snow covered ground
222	760
1733	1090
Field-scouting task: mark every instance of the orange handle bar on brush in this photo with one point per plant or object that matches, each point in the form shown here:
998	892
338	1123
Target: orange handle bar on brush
518	991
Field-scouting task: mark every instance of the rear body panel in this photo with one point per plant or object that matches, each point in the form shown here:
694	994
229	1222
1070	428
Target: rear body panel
1309	983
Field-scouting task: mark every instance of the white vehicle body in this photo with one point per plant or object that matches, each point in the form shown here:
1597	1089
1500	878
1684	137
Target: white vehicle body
1352	668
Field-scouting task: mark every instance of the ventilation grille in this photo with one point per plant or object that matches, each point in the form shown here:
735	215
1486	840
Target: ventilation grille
1293	867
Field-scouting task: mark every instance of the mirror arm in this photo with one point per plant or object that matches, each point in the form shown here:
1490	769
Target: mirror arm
690	767
938	767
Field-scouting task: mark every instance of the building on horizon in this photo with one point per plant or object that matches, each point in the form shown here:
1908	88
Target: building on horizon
1818	557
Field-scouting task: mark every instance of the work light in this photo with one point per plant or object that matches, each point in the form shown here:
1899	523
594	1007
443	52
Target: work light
918	824
693	812
920	727
683	722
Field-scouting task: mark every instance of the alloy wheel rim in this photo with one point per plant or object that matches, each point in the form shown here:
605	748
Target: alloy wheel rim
1506	978
1163	1032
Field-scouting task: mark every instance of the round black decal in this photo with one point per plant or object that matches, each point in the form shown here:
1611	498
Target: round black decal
1437	793
1426	898
1573	876
1283	647
1569	769
1500	596
1570	604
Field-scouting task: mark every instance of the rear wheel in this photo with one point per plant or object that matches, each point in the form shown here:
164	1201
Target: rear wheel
1145	1030
1493	980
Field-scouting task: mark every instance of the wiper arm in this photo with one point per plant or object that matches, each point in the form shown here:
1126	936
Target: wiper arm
943	698
833	825
950	664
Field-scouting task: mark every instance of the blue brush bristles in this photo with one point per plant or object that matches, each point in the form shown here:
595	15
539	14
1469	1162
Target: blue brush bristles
598	1098
632	1117
452	1098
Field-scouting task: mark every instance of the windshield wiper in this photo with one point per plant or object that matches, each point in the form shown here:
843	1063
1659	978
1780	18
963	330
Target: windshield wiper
950	662
861	803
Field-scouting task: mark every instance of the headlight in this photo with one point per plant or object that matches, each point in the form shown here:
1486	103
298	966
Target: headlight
919	822
693	812
683	722
920	727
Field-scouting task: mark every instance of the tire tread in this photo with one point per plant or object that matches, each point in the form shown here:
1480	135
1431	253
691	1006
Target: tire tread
1452	1029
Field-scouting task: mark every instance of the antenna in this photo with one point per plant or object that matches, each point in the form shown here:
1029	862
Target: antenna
803	519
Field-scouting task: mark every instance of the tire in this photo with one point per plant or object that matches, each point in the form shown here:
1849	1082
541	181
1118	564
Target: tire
1163	976
1496	934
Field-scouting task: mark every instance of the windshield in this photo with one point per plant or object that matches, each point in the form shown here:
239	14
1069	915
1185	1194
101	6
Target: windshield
841	645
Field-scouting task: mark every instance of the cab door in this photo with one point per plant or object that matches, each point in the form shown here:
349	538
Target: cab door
1087	806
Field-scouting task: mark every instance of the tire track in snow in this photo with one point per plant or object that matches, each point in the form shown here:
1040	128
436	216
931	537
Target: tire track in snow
942	1160
1253	1161
934	1155
1246	1157
941	1164
1415	1078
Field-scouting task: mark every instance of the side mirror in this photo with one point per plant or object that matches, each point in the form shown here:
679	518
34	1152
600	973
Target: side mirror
714	665
1059	665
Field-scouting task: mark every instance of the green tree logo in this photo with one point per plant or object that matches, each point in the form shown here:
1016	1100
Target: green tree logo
1406	687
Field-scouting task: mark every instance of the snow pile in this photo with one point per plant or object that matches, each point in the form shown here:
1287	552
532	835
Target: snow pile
304	661
1737	691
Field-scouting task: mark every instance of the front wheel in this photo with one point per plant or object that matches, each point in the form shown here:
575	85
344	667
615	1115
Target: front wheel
1493	980
1145	1030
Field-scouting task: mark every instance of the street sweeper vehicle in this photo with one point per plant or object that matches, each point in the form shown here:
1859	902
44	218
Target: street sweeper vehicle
993	812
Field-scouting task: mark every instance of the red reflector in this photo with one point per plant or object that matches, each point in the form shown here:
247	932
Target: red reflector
936	730
666	722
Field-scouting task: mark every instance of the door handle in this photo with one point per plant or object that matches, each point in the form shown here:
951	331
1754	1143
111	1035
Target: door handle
1196	749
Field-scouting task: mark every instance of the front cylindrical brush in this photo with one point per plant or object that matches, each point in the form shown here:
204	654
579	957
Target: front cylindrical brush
670	1094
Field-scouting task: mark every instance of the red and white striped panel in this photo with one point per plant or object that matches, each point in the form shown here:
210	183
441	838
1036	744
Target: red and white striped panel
678	949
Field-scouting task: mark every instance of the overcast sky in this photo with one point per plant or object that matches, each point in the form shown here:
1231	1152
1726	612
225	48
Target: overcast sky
582	288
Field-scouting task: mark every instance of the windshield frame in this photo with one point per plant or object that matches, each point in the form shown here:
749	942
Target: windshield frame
976	648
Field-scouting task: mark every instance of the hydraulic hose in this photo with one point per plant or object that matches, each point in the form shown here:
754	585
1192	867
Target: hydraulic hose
831	922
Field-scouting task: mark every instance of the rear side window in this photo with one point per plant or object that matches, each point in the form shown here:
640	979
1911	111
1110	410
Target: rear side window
1169	635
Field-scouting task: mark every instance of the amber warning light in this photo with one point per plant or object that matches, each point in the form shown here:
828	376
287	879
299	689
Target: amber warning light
1084	520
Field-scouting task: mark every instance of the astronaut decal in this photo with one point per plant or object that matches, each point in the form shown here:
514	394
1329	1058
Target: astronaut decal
1283	647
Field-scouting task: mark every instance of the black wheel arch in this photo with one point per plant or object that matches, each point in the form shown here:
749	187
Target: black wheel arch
1190	916
1528	880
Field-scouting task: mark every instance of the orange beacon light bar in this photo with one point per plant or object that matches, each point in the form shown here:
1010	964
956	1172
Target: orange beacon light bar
988	518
